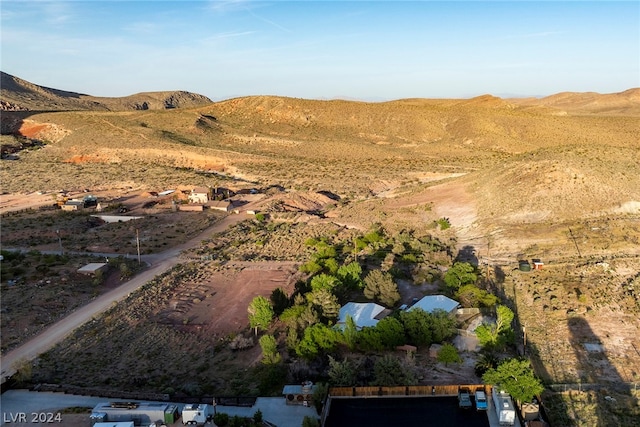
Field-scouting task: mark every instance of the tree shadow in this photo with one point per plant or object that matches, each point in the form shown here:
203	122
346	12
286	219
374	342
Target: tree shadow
597	372
468	254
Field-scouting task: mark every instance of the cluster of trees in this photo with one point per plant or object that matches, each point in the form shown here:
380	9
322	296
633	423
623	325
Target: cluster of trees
517	378
387	370
335	276
461	282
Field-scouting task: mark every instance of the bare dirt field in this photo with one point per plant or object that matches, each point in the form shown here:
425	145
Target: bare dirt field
217	306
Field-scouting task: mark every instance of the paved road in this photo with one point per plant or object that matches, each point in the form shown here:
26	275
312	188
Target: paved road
60	330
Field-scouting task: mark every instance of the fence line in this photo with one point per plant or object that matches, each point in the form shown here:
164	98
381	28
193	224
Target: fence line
423	390
619	386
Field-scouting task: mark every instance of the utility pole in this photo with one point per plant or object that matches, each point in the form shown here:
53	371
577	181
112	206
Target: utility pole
138	245
575	242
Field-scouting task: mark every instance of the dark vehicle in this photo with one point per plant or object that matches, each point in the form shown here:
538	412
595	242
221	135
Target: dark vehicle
464	398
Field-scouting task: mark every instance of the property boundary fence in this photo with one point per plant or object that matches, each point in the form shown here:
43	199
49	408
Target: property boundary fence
406	391
619	386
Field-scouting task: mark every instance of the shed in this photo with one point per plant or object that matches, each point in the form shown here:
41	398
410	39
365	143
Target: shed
93	268
430	303
73	205
537	264
220	205
364	314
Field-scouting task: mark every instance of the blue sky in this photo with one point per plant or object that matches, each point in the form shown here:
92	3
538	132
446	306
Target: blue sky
366	50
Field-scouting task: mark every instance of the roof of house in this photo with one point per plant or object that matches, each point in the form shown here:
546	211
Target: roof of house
92	267
364	314
219	204
436	302
200	190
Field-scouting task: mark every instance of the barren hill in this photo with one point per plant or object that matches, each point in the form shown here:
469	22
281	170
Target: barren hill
520	160
18	94
626	102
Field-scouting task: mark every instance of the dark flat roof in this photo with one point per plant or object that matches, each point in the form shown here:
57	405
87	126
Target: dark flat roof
403	411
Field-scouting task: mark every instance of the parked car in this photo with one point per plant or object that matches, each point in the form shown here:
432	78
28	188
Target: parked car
481	401
464	398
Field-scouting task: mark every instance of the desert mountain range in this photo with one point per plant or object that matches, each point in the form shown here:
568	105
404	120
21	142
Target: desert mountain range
563	157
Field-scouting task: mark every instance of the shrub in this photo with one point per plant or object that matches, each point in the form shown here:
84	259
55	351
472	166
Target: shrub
221	419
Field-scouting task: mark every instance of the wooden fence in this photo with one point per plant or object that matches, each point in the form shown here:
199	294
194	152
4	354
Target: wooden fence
411	390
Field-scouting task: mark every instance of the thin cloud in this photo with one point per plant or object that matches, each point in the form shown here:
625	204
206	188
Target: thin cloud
222	36
229	6
57	13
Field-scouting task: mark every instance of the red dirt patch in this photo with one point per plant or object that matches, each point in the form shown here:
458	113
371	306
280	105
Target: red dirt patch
31	130
218	306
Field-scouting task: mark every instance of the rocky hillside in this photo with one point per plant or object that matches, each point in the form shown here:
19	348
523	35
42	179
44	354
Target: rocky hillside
21	95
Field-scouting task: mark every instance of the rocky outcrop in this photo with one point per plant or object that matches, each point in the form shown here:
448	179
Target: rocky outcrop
22	95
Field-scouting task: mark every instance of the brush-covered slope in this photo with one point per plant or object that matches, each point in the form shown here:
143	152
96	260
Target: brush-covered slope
623	103
522	162
18	94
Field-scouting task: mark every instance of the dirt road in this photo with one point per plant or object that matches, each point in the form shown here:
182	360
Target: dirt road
63	328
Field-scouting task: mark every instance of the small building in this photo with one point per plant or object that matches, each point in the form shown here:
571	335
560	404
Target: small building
430	303
363	314
199	195
220	205
73	205
93	268
191	208
537	264
295	394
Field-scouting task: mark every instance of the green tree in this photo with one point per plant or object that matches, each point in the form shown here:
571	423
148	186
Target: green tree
369	339
324	281
350	275
350	332
260	313
317	338
461	273
391	332
320	392
449	354
472	296
443	326
496	335
380	286
270	355
417	326
390	371
517	378
344	373
291	315
326	303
